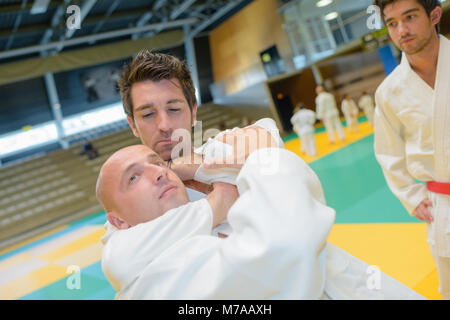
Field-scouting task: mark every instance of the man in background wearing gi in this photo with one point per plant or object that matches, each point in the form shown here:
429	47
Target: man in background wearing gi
303	122
412	122
327	112
367	104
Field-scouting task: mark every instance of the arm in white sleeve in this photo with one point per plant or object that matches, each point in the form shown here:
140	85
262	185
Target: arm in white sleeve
276	250
390	153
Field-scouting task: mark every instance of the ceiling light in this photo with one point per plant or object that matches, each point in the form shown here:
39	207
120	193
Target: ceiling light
323	3
331	16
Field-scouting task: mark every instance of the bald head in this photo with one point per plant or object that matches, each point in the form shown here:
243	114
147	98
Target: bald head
134	186
107	177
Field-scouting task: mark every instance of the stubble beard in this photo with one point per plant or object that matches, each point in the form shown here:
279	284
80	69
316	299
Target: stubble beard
420	45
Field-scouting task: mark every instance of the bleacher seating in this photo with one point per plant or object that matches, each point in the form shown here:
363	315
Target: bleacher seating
59	187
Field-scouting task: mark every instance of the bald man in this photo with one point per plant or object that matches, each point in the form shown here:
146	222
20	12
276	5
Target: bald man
135	186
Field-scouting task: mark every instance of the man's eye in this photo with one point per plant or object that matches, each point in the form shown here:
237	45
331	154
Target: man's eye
392	24
132	178
148	115
174	109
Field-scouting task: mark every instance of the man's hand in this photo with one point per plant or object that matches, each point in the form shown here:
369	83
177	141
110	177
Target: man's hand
244	142
186	166
422	213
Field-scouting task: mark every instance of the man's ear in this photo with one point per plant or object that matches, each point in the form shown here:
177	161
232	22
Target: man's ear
436	15
117	222
133	126
194	115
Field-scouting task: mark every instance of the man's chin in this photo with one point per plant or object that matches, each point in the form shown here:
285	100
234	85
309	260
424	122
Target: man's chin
164	153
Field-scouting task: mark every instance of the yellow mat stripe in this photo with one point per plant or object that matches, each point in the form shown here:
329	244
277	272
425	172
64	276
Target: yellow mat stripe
74	246
82	252
322	144
31	282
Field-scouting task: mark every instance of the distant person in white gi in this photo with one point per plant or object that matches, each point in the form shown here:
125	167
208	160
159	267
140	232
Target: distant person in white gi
367	104
412	122
328	113
350	110
303	122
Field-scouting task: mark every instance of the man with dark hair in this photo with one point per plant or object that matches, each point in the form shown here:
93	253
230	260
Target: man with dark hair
412	122
428	5
158	97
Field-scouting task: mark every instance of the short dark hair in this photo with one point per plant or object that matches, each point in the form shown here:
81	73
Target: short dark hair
152	66
428	5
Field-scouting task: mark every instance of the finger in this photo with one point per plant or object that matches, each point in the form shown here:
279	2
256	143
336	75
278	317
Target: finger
424	215
418	215
428	203
421	214
428	215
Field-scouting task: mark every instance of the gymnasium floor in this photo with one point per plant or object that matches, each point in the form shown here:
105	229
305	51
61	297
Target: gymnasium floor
370	224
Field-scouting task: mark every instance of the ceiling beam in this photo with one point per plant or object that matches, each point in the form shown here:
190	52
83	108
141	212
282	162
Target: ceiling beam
216	16
148	15
54	22
15	27
96	37
108	12
182	8
91	19
10	8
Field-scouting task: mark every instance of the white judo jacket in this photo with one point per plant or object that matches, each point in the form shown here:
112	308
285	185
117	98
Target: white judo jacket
303	121
326	106
349	108
412	129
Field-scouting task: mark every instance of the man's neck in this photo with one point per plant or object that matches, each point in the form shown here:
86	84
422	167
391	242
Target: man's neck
425	62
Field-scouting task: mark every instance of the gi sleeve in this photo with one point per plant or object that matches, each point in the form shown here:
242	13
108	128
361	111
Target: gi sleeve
390	154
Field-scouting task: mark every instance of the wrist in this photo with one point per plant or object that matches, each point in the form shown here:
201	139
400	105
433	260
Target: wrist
184	167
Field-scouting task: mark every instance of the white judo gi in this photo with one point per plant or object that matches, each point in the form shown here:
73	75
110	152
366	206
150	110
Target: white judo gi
329	114
276	250
303	122
350	111
412	141
367	104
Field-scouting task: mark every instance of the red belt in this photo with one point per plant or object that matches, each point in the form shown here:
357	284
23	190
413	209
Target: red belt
439	187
